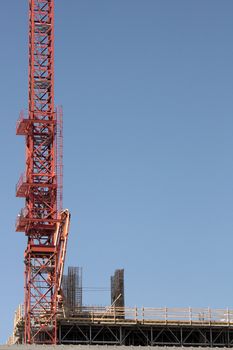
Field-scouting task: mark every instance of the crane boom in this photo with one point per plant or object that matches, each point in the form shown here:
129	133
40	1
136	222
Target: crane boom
61	239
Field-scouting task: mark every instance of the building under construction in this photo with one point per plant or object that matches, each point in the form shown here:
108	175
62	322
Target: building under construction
117	324
53	310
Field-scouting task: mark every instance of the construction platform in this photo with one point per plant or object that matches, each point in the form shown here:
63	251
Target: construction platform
142	327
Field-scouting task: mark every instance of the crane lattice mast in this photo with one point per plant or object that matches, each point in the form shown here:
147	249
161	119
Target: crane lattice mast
42	219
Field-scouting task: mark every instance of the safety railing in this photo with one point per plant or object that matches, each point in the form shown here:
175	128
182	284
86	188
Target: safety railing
21	217
11	340
19	315
21	120
21	181
21	117
18	323
146	315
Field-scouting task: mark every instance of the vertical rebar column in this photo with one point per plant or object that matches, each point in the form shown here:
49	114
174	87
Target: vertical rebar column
72	289
117	288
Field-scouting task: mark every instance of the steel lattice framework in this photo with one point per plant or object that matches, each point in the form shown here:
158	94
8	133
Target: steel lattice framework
41	184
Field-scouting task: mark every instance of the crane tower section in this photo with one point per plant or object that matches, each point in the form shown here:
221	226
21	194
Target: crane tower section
41	185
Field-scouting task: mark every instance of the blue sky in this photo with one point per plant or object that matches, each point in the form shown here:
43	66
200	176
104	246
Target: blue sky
147	88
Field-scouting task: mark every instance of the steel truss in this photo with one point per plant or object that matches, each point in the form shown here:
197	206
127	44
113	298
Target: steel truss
144	335
40	184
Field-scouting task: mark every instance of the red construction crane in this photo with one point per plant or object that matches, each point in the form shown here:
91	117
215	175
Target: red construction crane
43	221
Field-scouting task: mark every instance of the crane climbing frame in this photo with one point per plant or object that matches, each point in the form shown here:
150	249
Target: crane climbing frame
42	220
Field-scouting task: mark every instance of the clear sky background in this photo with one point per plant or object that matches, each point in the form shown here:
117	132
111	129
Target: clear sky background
147	88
